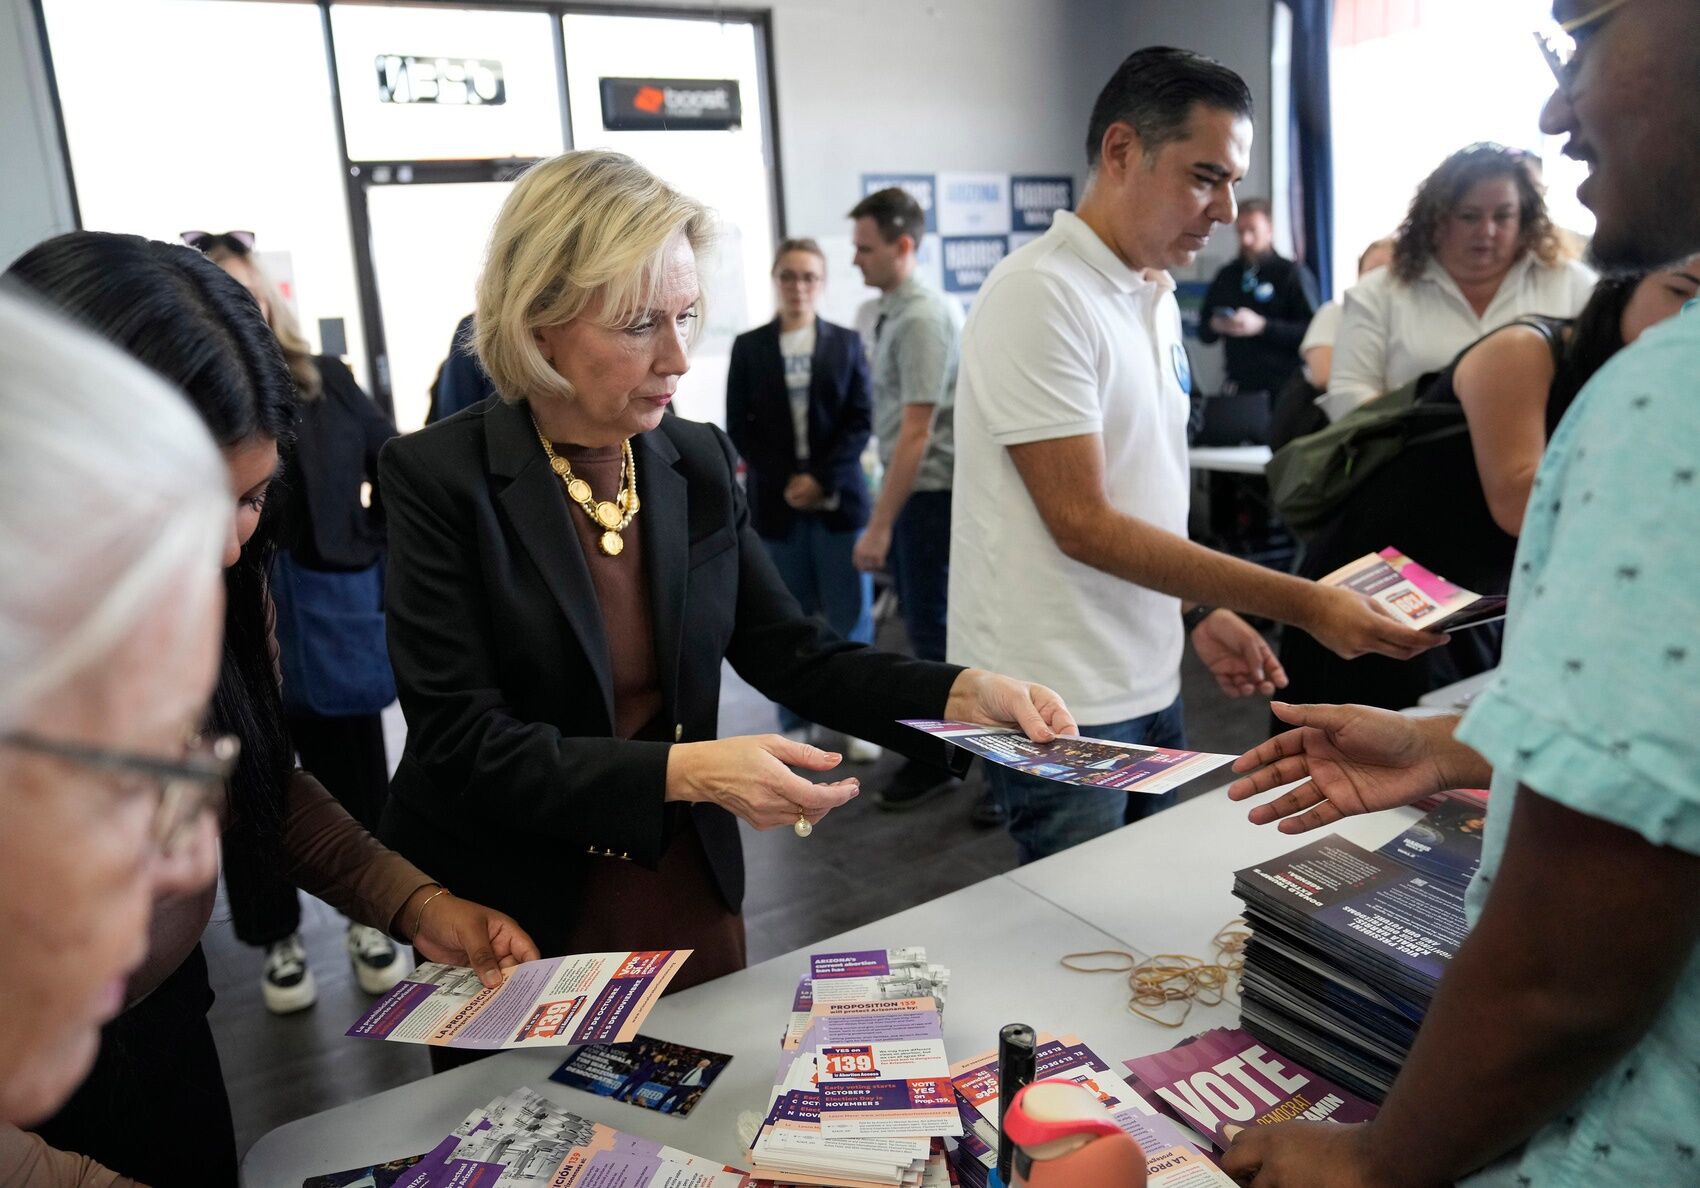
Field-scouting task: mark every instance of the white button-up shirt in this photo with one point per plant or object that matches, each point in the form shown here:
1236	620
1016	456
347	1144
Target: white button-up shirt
1393	332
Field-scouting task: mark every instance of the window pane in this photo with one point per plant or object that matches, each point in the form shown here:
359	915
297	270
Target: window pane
728	170
374	38
195	114
1383	151
427	248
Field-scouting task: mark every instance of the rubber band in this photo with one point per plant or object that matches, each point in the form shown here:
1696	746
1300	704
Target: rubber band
1157	982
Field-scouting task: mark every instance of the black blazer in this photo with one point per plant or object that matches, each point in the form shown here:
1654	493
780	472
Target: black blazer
511	782
841	413
336	448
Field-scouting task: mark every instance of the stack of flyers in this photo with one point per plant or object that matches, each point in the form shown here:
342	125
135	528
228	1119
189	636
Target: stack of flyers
867	976
1348	945
938	1173
1415	596
1223	1081
863	1091
584	999
1173	1158
523	1139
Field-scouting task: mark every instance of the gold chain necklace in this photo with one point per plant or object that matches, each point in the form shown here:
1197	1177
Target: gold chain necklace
612	516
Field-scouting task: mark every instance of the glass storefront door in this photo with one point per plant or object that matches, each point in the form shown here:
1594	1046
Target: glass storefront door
727	169
427	249
375	205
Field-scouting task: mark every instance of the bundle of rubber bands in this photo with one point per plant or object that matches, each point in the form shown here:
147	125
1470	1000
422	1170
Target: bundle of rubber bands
1157	983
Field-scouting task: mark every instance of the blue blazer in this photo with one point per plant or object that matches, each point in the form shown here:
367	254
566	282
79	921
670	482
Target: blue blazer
758	419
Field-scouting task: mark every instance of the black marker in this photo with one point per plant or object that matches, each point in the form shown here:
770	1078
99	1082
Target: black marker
1015	1069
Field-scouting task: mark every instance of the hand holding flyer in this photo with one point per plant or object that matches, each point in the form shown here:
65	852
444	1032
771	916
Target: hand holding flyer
582	999
1071	759
1414	596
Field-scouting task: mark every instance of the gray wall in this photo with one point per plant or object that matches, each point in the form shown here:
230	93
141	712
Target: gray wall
1000	85
34	197
905	85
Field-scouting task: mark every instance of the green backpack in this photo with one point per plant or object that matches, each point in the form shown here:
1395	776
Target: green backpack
1311	476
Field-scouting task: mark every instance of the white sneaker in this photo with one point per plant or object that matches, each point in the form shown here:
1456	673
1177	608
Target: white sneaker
377	962
858	750
286	983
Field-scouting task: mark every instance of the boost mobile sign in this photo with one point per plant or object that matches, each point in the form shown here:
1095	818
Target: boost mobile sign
670	104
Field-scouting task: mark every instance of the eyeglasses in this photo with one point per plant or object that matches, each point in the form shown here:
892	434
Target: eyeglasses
240	242
1560	41
1492	148
185	787
807	279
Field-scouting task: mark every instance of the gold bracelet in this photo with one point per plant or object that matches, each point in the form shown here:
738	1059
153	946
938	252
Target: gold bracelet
419	920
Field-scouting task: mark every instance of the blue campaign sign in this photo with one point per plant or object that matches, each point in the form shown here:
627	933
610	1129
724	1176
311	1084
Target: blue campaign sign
922	187
1033	199
969	259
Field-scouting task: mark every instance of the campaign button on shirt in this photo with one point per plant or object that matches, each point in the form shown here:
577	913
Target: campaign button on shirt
1183	366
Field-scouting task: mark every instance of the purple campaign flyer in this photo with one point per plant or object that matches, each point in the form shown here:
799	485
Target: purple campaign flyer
871	963
1224	1081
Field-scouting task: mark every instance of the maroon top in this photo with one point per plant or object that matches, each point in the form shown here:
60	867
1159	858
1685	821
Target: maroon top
624	906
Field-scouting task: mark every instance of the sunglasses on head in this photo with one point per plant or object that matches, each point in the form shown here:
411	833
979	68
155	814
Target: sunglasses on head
240	242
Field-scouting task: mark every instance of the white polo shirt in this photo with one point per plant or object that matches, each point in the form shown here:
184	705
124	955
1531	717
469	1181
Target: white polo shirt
1064	340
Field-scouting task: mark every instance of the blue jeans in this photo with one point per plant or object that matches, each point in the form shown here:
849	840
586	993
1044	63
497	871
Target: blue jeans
920	568
815	563
1046	816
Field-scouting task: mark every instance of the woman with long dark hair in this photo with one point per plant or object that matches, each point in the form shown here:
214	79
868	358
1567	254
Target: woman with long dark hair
158	1078
327	581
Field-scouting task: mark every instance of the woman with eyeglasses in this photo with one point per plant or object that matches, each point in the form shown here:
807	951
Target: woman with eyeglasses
799	409
1476	252
157	1091
112	505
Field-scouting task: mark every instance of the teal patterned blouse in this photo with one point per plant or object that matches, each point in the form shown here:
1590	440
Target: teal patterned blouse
1596	706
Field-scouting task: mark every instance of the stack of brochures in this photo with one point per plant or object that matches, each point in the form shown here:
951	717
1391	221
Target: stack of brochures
1220	1082
525	1139
863	1093
1348	945
1174	1157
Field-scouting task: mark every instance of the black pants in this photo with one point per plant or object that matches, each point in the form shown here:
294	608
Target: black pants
154	1108
347	756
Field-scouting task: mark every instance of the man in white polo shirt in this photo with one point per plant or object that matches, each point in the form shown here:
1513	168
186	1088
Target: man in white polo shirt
1069	556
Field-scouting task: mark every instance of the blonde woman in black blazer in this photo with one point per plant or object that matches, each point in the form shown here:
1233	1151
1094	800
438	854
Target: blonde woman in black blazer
559	658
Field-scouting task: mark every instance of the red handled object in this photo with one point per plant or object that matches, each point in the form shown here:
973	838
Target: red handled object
1064	1139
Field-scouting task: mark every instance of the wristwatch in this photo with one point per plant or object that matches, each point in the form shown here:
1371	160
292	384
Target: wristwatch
1192	618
